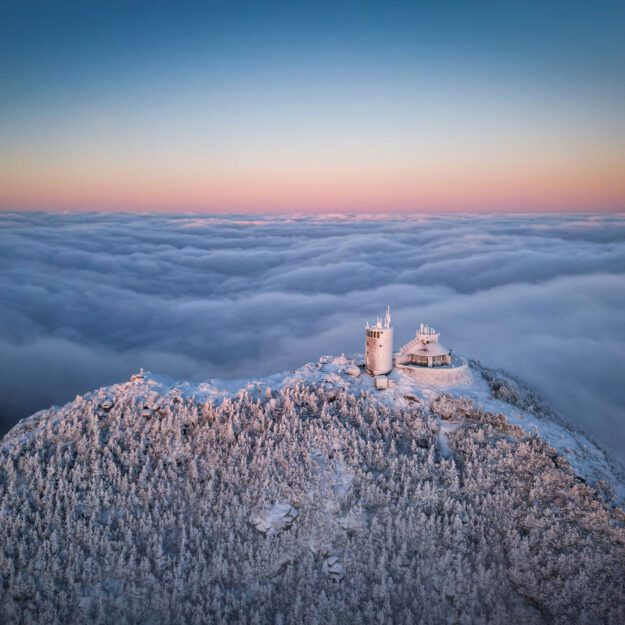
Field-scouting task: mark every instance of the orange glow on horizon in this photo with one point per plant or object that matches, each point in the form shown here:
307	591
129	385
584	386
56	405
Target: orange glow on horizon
575	188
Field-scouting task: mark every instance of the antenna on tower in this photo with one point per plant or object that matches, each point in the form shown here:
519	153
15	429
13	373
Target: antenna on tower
387	318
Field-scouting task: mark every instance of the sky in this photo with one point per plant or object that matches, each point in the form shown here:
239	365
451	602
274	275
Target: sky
314	107
88	299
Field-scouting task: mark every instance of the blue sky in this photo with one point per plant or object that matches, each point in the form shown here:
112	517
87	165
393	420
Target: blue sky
297	106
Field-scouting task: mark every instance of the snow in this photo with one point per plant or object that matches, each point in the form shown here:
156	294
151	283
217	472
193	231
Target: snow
445	427
333	568
338	373
441	376
277	518
264	494
587	459
352	370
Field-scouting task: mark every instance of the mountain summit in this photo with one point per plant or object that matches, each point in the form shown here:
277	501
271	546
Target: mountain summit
309	497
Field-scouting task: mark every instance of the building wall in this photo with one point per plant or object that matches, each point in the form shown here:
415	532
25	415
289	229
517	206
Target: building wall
379	350
437	376
423	361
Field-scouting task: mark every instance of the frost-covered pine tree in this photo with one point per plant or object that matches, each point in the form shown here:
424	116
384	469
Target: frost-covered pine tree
308	504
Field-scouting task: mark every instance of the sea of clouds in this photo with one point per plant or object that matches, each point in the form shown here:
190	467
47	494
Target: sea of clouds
88	299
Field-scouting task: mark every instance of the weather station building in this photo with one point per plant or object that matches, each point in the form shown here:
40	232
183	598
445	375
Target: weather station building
425	350
423	358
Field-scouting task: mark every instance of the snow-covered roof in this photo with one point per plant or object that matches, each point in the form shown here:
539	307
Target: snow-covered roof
426	349
425	343
382	325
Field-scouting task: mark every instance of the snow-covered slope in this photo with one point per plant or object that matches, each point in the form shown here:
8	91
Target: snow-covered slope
309	497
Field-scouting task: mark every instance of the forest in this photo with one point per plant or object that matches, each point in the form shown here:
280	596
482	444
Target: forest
299	505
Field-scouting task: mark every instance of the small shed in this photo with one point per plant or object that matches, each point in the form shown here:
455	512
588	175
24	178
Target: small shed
381	382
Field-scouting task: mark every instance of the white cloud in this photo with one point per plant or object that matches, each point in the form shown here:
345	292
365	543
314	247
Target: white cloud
87	299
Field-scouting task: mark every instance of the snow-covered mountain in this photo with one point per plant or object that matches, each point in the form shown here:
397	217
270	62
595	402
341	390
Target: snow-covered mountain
309	497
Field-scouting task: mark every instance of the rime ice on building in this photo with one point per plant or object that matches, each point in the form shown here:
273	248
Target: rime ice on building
425	350
423	358
379	346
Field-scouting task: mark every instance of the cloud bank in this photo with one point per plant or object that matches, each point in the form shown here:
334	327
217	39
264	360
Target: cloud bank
88	299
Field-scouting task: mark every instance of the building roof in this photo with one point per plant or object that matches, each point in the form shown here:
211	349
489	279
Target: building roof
427	349
382	325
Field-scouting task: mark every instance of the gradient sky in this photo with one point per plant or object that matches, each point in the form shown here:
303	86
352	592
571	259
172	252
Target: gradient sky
312	107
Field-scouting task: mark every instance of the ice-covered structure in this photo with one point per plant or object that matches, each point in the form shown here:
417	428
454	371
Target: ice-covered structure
379	346
425	350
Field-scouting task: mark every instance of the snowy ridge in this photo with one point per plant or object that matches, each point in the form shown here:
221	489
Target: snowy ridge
589	460
309	496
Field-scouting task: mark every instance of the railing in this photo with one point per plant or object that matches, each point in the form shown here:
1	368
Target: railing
408	345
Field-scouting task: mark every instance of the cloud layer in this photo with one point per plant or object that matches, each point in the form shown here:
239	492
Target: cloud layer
88	299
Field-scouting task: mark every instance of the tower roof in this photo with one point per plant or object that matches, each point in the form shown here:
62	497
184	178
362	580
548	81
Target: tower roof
382	325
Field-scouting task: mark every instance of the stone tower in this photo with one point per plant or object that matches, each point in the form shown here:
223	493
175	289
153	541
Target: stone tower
379	346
